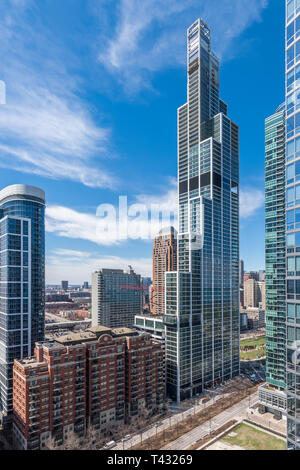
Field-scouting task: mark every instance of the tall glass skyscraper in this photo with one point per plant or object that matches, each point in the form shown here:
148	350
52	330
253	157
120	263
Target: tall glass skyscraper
202	299
272	396
293	220
22	280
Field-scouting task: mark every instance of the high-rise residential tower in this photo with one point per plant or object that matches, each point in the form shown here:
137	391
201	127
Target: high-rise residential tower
117	296
293	220
202	299
251	293
22	280
273	397
164	260
64	285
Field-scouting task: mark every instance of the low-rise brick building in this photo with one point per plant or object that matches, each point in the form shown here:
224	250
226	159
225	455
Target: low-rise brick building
102	377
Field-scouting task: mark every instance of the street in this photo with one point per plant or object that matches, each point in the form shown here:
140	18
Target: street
197	433
236	411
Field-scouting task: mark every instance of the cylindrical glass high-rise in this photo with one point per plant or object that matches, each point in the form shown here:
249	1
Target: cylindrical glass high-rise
22	280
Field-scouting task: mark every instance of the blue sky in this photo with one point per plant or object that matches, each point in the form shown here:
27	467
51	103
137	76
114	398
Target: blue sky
92	92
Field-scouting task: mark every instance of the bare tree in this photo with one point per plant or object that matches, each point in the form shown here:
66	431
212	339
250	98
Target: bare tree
92	440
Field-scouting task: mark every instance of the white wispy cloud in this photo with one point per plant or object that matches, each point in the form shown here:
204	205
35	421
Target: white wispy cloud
147	36
69	223
251	200
78	266
46	128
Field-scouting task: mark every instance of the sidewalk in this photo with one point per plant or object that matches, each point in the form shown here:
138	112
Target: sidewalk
165	424
239	410
268	421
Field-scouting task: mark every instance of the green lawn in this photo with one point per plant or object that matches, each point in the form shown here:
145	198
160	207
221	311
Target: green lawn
251	355
253	342
252	439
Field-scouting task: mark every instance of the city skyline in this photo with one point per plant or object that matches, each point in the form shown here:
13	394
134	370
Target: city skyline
140	146
148	264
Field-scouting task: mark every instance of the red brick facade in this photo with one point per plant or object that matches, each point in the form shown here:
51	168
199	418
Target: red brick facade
101	377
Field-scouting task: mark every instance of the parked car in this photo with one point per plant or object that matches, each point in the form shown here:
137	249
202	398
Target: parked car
109	445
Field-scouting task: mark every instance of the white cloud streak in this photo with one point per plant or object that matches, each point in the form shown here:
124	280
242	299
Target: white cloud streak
251	200
46	128
149	35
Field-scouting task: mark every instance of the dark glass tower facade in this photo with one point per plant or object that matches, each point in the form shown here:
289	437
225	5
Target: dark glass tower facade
22	280
202	299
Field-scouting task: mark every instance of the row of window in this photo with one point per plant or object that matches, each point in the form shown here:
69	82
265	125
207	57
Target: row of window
293	54
293	219
293	197
293	125
293	7
293	78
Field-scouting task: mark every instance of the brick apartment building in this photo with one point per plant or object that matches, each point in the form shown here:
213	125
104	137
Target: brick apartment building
101	377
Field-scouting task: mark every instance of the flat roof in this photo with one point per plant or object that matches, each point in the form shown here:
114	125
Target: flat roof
124	332
74	338
30	362
99	329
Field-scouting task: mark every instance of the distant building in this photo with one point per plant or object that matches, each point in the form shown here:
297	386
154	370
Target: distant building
75	314
117	297
80	295
262	294
241	297
262	275
241	273
58	298
64	285
146	283
85	285
251	275
256	317
151	298
55	307
164	260
102	378
244	321
251	293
